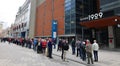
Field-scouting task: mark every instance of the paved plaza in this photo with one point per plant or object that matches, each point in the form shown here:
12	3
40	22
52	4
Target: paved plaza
14	55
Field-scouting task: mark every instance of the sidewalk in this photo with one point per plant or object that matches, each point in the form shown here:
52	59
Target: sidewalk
106	58
69	56
109	49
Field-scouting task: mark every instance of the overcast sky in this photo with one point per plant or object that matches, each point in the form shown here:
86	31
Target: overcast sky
8	10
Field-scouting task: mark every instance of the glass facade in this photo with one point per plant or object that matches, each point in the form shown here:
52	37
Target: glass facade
76	9
70	17
83	9
110	7
104	2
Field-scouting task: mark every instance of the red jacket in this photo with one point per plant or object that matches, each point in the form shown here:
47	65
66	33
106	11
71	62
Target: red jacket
44	43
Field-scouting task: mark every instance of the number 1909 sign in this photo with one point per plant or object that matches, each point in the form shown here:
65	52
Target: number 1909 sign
95	16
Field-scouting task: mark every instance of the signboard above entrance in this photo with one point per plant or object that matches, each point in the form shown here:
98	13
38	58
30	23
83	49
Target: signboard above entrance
92	16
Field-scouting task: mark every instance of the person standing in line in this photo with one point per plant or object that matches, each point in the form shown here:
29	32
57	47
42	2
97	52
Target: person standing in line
73	46
59	45
9	40
83	51
35	41
95	50
44	43
62	44
39	46
23	42
54	43
65	49
89	51
29	43
50	48
78	47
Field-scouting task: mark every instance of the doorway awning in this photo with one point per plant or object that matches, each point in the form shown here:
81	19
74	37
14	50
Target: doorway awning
101	23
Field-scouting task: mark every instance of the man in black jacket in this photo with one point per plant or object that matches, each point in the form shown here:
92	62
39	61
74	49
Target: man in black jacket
73	46
65	48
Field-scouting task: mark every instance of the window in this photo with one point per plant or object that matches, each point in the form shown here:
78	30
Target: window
67	31
104	2
67	12
67	25
73	31
67	4
117	11
67	16
73	10
67	8
73	25
67	1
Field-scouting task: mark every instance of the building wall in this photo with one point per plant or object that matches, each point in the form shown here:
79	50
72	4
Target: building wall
59	15
1	28
32	18
108	5
22	20
44	17
111	8
39	2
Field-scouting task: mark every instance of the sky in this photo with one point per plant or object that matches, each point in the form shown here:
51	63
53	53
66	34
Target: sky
8	11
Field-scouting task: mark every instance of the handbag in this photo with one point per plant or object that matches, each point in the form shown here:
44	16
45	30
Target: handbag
46	51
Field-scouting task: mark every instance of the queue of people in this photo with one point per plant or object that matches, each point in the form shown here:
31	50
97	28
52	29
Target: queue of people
83	49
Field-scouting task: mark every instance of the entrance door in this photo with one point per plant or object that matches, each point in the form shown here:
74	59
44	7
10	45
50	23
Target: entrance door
23	34
117	37
102	37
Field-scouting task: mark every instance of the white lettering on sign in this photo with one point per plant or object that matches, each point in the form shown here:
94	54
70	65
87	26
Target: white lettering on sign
54	34
95	16
100	14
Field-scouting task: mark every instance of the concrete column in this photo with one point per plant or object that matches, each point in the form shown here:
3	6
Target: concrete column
111	37
32	23
98	36
32	19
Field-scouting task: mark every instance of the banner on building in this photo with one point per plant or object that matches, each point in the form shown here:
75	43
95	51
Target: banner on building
54	29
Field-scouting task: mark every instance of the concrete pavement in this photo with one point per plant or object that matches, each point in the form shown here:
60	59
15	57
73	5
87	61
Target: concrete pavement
14	55
106	58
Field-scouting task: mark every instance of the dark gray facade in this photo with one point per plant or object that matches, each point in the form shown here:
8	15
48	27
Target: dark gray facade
112	8
76	9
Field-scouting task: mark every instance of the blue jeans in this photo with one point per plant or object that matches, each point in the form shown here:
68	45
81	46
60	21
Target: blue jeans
73	50
95	55
34	47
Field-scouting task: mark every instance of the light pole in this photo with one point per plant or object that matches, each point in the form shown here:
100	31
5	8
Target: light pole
54	26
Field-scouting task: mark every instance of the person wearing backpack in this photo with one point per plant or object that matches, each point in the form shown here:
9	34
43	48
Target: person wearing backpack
65	49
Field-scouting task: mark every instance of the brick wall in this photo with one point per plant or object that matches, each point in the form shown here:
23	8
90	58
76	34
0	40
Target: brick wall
44	17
